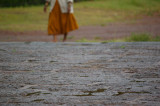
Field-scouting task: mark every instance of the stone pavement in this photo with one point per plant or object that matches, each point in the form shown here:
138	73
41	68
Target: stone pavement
48	74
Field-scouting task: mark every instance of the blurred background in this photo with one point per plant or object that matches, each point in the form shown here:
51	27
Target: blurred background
99	21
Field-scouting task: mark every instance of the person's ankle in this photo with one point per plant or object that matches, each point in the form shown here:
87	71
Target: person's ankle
64	40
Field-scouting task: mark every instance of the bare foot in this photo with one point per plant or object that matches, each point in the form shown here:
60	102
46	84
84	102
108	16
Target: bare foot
54	41
65	37
54	38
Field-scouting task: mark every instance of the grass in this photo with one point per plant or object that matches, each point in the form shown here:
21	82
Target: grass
97	12
141	37
23	19
102	12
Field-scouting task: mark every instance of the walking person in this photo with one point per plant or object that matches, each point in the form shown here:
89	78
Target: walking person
61	18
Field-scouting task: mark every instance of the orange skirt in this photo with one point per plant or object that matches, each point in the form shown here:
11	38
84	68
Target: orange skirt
60	23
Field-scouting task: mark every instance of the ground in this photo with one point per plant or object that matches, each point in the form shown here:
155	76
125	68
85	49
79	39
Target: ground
46	73
148	25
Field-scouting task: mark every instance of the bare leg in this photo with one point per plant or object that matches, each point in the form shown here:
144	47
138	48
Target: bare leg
54	38
65	37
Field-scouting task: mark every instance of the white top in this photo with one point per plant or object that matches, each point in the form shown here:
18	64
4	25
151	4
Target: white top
63	5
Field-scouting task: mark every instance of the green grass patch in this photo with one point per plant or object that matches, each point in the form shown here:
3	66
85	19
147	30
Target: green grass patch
23	19
142	38
97	12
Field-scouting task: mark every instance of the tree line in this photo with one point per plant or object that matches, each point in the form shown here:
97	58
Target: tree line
15	3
